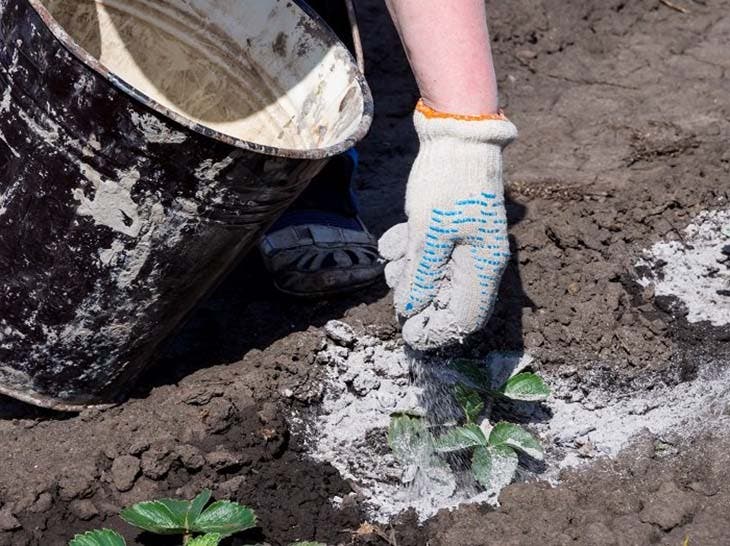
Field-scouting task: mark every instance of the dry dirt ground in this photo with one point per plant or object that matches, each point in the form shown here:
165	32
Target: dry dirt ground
623	110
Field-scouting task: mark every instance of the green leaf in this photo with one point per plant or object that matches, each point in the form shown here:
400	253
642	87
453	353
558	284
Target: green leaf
481	465
528	387
474	371
163	517
470	401
514	436
504	466
211	539
407	436
197	505
98	537
459	438
225	518
494	466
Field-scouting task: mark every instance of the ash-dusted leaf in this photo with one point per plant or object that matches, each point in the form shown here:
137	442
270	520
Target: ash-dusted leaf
98	537
225	518
504	467
163	517
494	467
459	438
509	434
408	436
474	371
528	387
197	504
470	401
481	465
211	539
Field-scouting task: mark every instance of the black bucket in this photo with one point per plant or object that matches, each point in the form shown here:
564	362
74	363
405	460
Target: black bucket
144	147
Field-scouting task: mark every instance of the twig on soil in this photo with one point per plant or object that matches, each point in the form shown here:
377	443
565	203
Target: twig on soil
674	6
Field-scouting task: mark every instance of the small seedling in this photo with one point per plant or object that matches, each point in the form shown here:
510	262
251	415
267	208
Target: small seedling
494	450
196	524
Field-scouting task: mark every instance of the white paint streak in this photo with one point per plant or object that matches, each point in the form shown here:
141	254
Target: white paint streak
209	171
112	204
5	103
154	130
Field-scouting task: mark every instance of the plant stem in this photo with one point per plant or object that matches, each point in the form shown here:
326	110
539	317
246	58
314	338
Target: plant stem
186	538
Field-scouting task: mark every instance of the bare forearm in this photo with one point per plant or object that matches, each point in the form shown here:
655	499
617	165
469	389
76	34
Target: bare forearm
447	43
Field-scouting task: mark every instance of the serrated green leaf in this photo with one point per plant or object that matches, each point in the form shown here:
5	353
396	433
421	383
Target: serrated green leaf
408	435
527	387
459	438
470	401
211	539
197	505
98	537
514	436
474	371
225	518
163	517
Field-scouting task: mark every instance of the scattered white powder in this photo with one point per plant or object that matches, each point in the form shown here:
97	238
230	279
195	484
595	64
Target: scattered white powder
603	425
366	386
370	380
695	270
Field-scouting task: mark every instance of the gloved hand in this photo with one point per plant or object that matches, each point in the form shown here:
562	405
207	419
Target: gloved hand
447	260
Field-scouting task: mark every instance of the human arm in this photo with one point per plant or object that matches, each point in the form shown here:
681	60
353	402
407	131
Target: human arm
447	44
448	259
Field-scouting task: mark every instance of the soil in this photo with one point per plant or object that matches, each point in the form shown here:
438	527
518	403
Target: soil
623	113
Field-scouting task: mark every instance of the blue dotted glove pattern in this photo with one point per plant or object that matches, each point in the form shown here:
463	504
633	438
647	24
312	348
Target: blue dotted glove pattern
480	224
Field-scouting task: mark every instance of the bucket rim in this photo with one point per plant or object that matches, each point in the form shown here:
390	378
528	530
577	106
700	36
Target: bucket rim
138	96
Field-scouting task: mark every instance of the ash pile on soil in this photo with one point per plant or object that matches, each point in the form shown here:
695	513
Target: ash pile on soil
369	380
602	424
696	269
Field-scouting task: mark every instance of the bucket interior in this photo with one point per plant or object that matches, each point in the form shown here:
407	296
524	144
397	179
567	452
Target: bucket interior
261	72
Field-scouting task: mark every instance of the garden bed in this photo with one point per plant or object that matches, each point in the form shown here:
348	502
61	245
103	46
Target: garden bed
623	114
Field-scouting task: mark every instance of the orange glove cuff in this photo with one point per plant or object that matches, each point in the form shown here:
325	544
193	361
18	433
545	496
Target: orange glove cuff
435	114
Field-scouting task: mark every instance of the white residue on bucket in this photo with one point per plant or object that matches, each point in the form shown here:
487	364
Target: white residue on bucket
695	270
156	131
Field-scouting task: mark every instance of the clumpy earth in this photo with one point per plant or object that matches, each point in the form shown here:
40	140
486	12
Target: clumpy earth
623	113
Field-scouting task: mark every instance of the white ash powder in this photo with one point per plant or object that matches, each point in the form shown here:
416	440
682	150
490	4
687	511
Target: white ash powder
695	270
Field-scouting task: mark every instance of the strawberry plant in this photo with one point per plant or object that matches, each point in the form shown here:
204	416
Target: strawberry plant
196	524
493	449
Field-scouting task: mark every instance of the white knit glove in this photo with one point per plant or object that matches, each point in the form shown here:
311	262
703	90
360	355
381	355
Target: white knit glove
447	260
